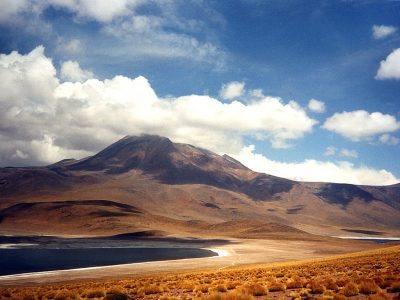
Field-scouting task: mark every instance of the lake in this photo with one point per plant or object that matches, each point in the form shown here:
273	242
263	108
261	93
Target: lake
379	240
26	260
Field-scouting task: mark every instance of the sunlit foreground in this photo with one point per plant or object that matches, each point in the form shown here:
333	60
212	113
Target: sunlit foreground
373	274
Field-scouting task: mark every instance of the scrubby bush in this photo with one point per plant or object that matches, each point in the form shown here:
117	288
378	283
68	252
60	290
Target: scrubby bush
276	287
368	286
316	287
350	289
256	289
394	287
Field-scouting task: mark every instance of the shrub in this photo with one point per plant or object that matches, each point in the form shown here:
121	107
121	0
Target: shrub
232	285
368	286
95	293
339	297
188	286
221	288
316	287
150	289
50	295
379	296
66	295
294	295
394	287
330	284
350	289
116	296
234	295
277	287
202	288
294	283
256	289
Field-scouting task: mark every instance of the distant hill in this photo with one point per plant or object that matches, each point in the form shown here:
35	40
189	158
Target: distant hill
148	183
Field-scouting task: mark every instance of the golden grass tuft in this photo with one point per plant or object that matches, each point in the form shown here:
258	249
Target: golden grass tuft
368	286
316	287
276	286
66	295
394	287
350	289
255	289
379	296
294	283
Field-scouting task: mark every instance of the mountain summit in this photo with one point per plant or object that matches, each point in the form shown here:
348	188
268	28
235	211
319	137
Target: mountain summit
174	163
150	183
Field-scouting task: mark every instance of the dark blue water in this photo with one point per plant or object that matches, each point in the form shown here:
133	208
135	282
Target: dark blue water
15	261
379	241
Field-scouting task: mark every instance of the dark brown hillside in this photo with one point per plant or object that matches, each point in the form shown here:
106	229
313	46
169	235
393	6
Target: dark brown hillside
182	164
179	189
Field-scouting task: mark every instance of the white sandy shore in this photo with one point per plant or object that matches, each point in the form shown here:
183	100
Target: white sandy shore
12	246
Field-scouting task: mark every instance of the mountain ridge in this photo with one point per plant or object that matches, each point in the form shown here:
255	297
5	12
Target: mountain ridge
183	183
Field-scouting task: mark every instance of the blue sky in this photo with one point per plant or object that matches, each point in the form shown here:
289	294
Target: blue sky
256	64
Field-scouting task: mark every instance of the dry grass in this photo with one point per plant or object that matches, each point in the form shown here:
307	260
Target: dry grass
350	289
371	275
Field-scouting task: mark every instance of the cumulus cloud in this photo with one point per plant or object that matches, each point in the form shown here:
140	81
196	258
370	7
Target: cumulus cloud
43	120
382	31
232	90
99	10
316	106
390	67
256	93
361	125
72	46
159	41
71	71
330	151
349	153
163	32
389	139
10	8
314	170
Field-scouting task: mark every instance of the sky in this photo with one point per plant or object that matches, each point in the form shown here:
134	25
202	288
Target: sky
302	89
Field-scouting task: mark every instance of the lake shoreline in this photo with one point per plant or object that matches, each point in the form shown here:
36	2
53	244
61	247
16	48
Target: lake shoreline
238	252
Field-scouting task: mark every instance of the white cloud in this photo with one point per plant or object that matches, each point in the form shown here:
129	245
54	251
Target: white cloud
48	120
390	67
316	106
98	10
71	71
104	11
232	90
10	8
157	40
382	31
361	125
330	151
314	170
166	32
389	139
72	47
349	153
256	93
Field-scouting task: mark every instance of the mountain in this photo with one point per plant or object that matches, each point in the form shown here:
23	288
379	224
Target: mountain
149	183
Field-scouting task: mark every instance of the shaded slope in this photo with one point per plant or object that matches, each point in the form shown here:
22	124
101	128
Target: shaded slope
178	186
173	163
343	193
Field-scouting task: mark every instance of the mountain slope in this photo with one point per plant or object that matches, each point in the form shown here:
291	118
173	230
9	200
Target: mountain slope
189	187
182	164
